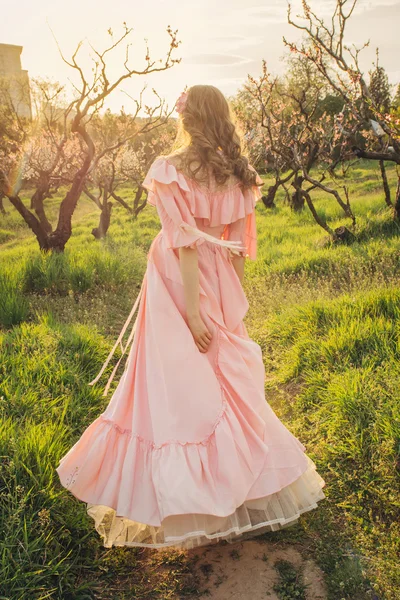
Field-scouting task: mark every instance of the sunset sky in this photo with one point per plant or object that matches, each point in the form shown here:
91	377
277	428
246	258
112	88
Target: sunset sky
221	43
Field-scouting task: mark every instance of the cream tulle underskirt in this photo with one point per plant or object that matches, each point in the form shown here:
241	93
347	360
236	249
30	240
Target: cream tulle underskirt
253	517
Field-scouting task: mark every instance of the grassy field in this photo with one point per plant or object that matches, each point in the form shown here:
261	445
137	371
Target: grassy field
327	319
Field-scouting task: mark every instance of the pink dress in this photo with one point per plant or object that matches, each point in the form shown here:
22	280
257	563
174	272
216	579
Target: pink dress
188	451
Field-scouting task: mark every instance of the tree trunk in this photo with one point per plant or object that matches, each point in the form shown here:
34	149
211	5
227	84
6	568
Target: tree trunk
287	194
2	209
32	221
297	198
318	184
104	223
136	206
397	202
122	202
38	206
344	235
386	187
92	197
321	222
140	207
269	199
58	238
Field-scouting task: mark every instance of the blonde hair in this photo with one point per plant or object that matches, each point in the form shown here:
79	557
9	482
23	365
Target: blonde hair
209	135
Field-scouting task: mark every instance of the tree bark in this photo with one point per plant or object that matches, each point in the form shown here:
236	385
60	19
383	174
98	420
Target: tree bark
92	197
32	222
37	203
344	235
136	206
397	202
104	223
386	187
269	199
297	198
122	202
2	209
321	222
391	156
318	184
58	238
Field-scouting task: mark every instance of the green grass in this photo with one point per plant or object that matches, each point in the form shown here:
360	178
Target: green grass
344	356
327	319
14	307
290	586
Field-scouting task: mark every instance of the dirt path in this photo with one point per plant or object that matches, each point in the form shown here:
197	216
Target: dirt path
248	571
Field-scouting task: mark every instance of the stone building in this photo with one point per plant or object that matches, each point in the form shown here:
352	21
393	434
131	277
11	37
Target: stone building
14	81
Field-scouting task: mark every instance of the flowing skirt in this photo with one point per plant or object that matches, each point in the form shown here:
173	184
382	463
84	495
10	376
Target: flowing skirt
188	451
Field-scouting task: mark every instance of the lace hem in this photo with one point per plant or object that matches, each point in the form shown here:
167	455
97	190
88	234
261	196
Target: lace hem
253	517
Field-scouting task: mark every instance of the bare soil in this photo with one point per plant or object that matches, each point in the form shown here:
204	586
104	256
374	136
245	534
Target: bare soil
246	571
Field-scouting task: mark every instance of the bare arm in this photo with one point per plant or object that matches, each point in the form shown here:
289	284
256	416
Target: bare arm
238	265
188	262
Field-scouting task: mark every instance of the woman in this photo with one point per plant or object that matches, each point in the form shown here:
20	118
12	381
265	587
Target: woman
188	451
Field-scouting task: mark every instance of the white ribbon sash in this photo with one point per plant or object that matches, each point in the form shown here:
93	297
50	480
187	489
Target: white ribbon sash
234	246
119	341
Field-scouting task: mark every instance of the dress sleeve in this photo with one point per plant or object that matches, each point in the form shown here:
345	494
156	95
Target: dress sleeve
166	187
175	217
245	229
169	192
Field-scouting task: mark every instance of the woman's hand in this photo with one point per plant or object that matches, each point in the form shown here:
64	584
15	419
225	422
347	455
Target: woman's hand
200	333
189	267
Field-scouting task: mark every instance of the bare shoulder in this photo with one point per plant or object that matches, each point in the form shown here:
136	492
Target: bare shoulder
176	158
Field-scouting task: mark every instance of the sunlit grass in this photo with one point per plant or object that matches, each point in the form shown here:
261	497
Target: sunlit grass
343	355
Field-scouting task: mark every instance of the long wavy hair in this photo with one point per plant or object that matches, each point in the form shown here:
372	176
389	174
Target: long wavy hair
209	136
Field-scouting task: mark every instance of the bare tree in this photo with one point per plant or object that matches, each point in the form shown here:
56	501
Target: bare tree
339	64
299	139
90	94
124	166
266	92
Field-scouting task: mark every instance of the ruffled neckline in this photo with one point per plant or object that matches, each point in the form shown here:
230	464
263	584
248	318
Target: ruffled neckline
203	188
214	207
